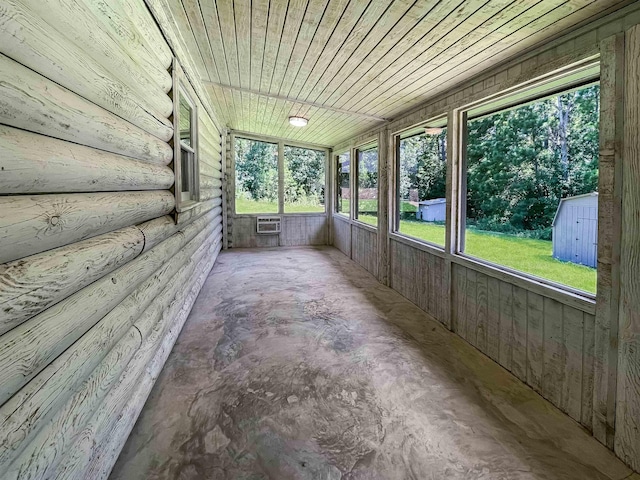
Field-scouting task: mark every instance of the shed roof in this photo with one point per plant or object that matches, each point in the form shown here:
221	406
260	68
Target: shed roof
568	200
434	201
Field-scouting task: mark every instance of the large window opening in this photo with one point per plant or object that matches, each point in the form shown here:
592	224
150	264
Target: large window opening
367	183
531	187
421	180
256	165
343	181
303	180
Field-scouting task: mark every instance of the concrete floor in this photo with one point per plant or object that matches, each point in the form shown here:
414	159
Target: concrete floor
297	364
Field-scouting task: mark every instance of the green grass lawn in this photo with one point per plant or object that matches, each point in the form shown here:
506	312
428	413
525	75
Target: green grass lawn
244	205
523	254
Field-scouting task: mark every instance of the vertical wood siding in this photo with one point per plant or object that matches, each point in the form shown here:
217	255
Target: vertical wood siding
296	230
96	278
364	248
342	234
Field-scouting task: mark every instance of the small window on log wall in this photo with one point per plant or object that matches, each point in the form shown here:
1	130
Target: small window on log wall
187	171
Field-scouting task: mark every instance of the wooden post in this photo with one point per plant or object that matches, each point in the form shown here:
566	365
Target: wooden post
609	230
384	158
627	436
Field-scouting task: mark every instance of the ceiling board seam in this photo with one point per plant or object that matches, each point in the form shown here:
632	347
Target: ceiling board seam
294	100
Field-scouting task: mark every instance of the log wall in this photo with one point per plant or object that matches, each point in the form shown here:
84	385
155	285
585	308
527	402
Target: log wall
97	271
579	353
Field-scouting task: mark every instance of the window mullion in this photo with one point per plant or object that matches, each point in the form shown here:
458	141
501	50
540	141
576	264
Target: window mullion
280	178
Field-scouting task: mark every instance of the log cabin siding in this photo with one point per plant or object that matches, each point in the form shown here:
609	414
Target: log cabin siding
98	273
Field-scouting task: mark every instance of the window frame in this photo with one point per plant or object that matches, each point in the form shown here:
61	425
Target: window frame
370	145
394	224
281	144
180	92
484	106
337	186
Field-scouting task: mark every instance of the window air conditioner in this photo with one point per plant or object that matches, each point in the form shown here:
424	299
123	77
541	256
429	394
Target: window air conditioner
268	224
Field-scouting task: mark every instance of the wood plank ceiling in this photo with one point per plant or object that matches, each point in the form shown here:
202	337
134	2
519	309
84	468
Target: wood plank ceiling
347	65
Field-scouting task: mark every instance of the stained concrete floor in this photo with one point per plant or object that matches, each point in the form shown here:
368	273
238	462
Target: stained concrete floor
297	364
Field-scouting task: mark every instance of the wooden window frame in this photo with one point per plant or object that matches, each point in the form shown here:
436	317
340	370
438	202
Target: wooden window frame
281	143
459	169
355	167
180	92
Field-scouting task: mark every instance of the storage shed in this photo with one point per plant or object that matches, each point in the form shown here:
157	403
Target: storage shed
434	210
575	230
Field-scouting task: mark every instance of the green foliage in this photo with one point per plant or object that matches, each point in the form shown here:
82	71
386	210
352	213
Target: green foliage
256	171
303	176
368	168
257	178
522	161
423	166
527	255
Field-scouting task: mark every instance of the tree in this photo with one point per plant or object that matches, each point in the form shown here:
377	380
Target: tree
522	161
257	169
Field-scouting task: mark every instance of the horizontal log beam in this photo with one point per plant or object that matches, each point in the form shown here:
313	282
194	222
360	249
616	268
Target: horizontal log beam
75	20
33	163
27	39
210	171
105	456
32	102
210	182
69	420
32	224
77	460
33	406
31	346
32	284
135	26
207	194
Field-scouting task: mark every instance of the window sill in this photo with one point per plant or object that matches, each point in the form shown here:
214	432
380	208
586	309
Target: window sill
431	248
364	226
583	301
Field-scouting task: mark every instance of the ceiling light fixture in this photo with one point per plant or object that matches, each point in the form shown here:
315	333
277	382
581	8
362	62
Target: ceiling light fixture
298	121
433	130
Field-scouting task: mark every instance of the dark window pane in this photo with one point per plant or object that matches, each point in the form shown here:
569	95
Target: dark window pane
185	122
344	187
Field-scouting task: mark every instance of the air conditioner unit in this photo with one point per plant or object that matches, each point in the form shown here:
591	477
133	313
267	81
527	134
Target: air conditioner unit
268	224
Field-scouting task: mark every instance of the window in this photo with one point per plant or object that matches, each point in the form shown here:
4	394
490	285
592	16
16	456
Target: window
531	186
343	190
188	170
303	180
367	175
256	165
421	179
